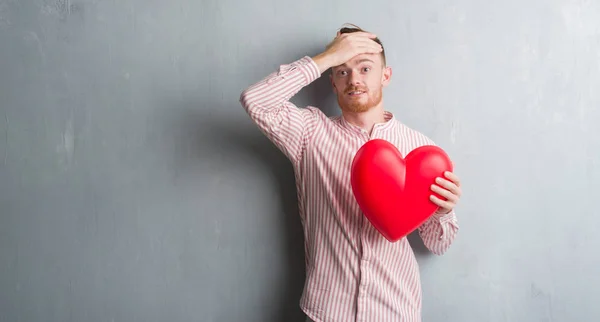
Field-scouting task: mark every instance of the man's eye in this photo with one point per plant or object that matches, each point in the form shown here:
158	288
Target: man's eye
366	69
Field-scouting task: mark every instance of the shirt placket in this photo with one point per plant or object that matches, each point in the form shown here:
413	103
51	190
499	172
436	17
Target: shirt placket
365	274
365	271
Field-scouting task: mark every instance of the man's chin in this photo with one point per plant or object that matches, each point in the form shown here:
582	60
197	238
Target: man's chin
356	108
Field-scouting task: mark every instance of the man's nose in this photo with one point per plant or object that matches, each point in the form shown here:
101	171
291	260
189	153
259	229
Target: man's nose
354	78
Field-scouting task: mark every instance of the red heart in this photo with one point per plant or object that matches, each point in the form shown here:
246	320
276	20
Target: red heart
393	192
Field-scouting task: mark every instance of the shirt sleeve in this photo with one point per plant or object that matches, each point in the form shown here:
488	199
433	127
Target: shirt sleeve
267	102
439	231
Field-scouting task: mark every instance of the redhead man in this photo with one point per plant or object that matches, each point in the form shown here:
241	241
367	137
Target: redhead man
352	272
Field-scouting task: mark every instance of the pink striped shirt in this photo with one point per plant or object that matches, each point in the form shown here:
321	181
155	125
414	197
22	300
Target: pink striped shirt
352	272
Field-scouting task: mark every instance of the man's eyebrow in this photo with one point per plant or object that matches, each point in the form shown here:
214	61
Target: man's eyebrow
364	60
359	62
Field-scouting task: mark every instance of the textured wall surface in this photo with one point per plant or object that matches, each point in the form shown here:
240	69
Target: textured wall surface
133	187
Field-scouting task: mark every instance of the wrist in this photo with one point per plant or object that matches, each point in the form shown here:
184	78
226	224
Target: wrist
323	62
442	211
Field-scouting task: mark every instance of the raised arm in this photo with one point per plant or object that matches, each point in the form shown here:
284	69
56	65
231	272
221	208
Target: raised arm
267	102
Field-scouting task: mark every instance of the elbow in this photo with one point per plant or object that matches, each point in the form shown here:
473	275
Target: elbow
250	101
244	98
439	250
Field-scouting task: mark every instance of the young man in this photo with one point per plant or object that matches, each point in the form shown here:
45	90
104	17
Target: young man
352	272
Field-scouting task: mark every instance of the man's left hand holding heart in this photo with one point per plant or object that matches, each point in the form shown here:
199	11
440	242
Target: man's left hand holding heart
449	188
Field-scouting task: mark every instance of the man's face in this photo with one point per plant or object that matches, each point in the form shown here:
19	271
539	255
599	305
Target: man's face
359	82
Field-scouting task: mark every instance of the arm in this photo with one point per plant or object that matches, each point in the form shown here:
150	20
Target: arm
267	103
439	231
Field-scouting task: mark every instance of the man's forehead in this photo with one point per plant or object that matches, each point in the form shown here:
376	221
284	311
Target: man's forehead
369	58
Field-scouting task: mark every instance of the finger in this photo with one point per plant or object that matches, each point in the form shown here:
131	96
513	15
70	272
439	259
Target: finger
370	46
369	49
441	203
444	193
366	41
453	177
375	45
363	41
448	185
362	34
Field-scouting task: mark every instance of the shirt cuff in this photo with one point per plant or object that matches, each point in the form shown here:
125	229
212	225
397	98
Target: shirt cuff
308	67
444	218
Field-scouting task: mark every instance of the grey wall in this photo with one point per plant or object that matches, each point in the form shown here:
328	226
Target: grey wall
134	188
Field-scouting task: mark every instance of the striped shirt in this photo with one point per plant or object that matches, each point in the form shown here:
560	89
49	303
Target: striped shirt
352	272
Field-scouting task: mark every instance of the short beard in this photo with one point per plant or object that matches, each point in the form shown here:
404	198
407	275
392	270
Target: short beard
356	106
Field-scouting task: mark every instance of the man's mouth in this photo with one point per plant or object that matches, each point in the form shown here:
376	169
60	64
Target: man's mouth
355	93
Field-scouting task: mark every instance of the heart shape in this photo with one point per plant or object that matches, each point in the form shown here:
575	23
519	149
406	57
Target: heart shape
393	192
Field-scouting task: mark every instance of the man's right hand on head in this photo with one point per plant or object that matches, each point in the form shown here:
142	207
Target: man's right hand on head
346	46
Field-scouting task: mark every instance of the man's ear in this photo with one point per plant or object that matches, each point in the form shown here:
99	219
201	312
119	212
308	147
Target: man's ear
386	75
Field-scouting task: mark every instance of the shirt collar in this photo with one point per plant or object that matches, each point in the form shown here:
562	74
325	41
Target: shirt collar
390	123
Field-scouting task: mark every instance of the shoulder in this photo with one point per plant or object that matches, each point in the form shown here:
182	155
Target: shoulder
412	136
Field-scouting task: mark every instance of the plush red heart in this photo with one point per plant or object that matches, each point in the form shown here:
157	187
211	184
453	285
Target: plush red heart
393	192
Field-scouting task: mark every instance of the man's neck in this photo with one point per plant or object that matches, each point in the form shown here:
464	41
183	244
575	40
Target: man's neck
366	120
